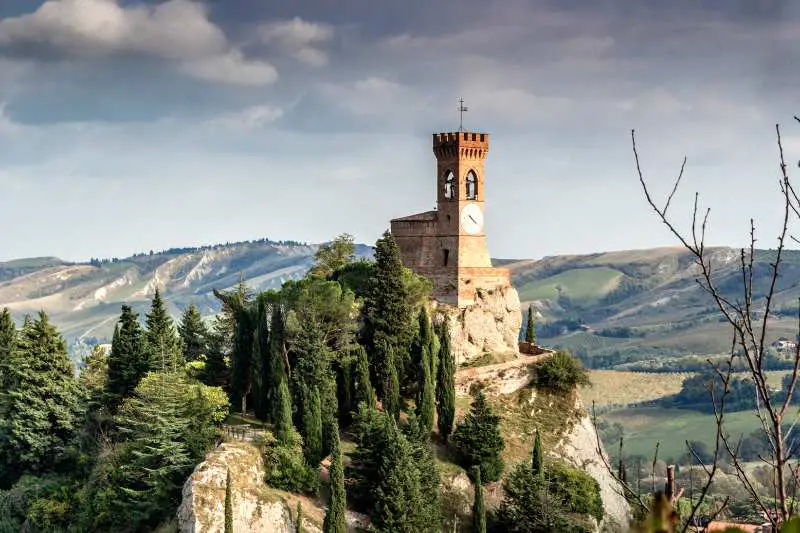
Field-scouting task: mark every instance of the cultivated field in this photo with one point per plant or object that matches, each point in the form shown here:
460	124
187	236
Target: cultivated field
616	387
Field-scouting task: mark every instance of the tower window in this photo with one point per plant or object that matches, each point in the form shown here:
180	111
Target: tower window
446	256
472	186
449	184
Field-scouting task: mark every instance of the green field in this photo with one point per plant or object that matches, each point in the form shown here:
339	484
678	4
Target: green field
645	426
584	284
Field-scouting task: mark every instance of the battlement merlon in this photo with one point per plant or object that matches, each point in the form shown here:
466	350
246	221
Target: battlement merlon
451	144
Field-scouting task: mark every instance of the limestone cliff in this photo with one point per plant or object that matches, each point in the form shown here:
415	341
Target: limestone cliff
255	506
490	325
579	447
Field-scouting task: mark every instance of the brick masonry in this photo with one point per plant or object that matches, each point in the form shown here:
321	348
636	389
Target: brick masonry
436	244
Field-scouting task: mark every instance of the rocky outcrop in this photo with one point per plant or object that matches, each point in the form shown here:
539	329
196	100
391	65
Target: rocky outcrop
579	447
490	325
255	507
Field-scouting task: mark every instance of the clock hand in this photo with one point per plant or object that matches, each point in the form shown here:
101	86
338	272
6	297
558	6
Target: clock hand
472	219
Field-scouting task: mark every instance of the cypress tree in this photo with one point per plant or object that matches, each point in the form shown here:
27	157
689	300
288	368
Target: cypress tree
426	402
391	382
238	324
193	334
8	336
445	386
477	440
128	360
364	391
335	521
277	355
228	504
42	405
530	331
160	338
478	510
299	524
283	415
311	418
261	362
387	312
216	371
537	462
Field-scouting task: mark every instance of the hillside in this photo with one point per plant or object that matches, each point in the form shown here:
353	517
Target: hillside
84	299
611	308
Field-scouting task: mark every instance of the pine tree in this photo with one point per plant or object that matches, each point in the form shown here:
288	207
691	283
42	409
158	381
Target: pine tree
387	313
193	333
217	371
445	387
42	405
335	521
426	399
537	461
478	511
364	391
128	360
283	415
237	323
530	331
160	338
228	504
477	440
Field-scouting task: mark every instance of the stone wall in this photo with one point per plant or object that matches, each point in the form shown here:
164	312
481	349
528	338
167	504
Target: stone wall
490	325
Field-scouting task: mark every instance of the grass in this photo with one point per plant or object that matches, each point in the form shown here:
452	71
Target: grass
584	284
490	359
646	426
616	387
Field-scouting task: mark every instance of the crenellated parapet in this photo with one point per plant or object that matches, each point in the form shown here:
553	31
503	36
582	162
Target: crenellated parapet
461	145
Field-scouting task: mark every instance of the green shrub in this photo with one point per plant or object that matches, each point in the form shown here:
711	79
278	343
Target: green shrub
561	372
578	491
285	465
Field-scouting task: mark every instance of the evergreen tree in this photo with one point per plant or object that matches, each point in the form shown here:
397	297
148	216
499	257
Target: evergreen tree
228	504
387	313
391	383
477	440
283	415
478	511
530	331
277	356
160	338
364	391
237	323
335	521
217	371
128	360
194	334
332	256
8	336
299	524
445	387
426	399
42	405
537	462
261	362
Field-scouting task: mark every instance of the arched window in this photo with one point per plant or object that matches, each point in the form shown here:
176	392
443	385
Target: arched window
472	185
450	185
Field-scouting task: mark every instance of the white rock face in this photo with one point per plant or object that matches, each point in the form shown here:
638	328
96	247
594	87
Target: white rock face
491	325
579	447
254	509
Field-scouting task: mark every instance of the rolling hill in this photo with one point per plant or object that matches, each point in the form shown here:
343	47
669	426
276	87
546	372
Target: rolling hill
612	308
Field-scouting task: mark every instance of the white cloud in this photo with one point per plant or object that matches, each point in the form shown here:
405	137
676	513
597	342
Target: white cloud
372	96
248	119
176	30
301	39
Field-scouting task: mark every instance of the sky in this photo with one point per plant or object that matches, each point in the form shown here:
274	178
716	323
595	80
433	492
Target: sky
129	125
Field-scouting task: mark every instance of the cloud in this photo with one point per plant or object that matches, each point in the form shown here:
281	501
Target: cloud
176	30
247	119
300	39
373	96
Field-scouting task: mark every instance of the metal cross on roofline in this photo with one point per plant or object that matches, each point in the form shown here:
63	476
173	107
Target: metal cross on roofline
461	109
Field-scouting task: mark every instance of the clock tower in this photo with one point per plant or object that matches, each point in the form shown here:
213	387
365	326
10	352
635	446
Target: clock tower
448	245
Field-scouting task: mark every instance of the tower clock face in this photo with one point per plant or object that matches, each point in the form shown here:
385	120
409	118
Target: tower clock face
472	219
